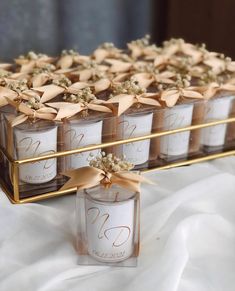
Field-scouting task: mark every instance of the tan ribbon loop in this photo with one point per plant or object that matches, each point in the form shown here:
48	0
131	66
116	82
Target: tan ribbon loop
87	177
125	101
171	96
67	109
212	89
6	92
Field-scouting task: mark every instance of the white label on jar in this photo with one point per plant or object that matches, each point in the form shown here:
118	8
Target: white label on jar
177	117
216	109
36	144
110	236
79	135
134	126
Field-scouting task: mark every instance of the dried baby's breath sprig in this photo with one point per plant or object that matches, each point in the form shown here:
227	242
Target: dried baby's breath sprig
207	77
147	68
130	87
182	81
34	102
62	81
142	42
18	86
4	73
83	96
31	55
107	46
90	64
48	68
173	41
69	53
110	163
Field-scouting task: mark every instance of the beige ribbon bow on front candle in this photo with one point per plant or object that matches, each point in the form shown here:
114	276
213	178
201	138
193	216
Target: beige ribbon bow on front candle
87	177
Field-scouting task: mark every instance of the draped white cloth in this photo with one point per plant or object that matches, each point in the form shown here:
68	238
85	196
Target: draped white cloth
187	238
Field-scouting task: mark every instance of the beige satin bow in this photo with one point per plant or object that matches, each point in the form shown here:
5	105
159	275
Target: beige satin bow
67	109
28	64
142	47
107	50
180	46
216	64
51	91
67	60
125	101
212	89
171	96
44	112
87	177
6	92
146	79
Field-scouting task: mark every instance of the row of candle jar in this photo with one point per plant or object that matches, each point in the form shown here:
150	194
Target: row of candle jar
32	140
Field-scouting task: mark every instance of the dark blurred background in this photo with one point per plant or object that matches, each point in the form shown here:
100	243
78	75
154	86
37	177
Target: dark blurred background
52	25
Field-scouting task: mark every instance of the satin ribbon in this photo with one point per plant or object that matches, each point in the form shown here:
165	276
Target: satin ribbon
67	109
179	46
146	79
67	61
125	101
139	51
212	89
6	92
101	53
171	96
51	91
87	177
85	74
44	112
27	65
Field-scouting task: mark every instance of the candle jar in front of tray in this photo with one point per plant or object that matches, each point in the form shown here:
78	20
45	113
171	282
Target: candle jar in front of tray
108	226
176	146
134	123
217	108
80	132
30	140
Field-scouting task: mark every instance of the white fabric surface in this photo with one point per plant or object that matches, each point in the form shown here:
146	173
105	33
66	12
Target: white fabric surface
187	238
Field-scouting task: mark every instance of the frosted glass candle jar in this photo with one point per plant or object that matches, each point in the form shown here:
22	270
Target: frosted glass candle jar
177	144
80	133
134	125
108	226
33	141
213	137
